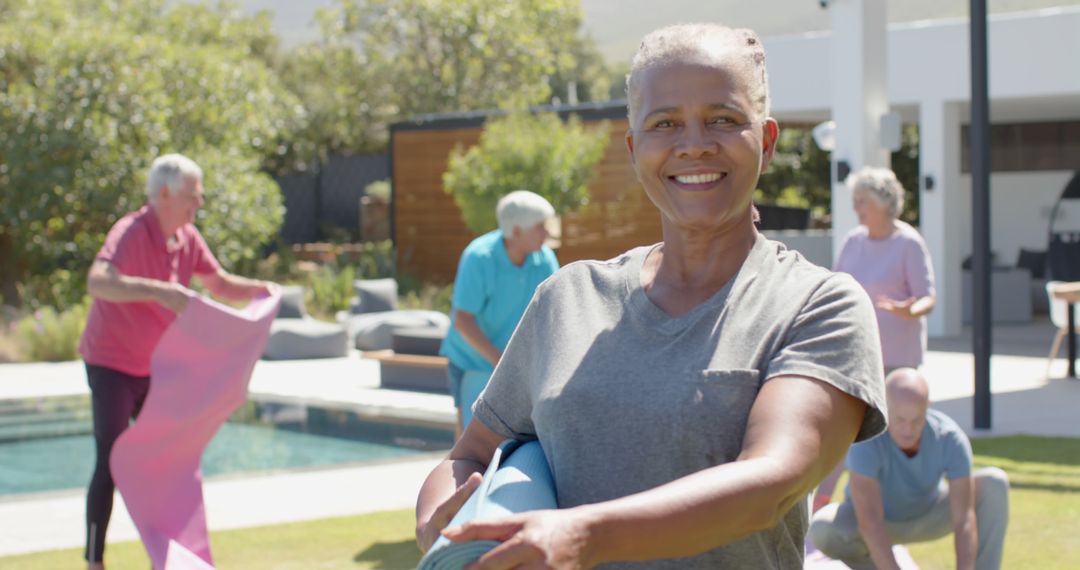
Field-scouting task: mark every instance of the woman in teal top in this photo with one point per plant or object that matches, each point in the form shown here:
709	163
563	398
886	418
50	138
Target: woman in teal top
496	278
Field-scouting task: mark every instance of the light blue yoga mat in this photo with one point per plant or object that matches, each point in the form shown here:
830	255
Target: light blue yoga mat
517	480
472	383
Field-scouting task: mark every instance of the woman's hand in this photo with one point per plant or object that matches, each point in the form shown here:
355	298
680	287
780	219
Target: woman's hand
428	533
556	540
901	309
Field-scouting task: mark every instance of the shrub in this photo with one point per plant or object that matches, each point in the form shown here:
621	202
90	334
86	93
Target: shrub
328	290
49	335
522	151
427	296
91	92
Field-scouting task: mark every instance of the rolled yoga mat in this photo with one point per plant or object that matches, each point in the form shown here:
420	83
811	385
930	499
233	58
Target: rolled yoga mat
199	376
472	383
517	480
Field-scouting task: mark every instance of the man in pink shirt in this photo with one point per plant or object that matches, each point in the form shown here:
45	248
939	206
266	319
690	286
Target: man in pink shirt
139	281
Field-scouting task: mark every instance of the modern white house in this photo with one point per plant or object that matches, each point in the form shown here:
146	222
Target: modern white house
920	70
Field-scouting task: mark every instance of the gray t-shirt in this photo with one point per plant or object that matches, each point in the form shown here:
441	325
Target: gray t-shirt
625	398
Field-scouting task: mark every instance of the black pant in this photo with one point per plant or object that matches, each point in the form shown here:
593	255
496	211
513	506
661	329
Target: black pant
117	399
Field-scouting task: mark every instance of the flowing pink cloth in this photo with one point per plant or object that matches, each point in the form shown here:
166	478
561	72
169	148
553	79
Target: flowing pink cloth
199	375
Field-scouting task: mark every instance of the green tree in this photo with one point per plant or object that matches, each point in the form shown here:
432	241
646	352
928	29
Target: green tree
348	106
381	61
799	175
522	151
460	55
90	94
590	76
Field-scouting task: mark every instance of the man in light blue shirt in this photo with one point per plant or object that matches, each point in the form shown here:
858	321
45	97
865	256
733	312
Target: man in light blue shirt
898	491
496	278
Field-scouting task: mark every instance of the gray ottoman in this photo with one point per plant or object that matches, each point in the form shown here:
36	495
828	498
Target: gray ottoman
375	331
294	339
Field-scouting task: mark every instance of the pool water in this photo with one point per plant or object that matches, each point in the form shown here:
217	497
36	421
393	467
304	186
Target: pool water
47	445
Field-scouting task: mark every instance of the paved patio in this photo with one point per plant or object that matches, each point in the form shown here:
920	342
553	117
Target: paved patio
1024	402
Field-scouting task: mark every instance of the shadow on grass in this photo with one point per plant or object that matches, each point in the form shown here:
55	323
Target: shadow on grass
1051	487
390	555
1030	449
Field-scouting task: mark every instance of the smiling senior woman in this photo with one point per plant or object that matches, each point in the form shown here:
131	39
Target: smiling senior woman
688	394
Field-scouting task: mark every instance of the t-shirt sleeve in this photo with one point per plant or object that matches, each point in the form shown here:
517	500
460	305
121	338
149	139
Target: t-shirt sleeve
506	404
120	245
835	339
957	455
918	269
864	458
470	286
205	262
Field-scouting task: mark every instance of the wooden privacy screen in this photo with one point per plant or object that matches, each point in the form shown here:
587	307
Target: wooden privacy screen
430	234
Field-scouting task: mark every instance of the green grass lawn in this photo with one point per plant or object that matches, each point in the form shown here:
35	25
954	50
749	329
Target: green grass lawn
1044	504
1045	518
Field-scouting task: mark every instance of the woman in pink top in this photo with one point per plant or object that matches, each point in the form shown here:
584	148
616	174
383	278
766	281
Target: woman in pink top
889	259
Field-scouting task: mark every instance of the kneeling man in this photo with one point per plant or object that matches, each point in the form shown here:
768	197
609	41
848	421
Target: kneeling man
898	491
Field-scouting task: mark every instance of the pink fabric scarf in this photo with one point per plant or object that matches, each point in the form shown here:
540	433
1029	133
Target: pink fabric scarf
200	372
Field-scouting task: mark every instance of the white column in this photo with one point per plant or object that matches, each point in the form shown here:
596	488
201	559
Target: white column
859	98
940	208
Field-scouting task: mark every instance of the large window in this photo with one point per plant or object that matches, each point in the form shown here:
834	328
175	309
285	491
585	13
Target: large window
1028	146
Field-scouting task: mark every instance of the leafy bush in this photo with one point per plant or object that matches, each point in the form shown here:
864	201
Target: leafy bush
522	151
328	290
379	190
89	95
428	296
50	335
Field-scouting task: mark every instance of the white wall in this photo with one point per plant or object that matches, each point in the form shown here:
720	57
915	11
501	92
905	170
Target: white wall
1020	205
1031	54
814	245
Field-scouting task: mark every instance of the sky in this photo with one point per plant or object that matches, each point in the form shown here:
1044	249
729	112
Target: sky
618	25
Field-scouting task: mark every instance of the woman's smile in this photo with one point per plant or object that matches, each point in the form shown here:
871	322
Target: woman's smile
697	182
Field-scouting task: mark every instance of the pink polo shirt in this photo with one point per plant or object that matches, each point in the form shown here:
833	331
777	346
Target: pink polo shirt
122	336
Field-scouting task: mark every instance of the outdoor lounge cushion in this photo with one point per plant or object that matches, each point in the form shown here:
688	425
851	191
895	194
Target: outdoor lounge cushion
200	372
374	295
292	303
375	331
517	480
294	339
425	341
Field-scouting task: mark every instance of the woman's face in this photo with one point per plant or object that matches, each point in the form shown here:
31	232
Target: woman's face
870	210
699	146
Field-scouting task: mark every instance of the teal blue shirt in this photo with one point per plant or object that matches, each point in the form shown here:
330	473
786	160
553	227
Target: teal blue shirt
496	292
911	485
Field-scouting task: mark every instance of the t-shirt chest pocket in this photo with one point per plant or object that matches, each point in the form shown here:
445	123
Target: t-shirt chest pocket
719	407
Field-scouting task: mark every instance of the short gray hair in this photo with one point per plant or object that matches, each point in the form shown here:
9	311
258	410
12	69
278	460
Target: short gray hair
170	170
882	184
522	209
700	43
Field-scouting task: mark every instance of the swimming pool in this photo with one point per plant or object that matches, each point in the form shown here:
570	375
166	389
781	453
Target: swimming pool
47	444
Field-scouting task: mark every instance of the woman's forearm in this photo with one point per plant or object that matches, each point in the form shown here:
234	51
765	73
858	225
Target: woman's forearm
440	485
922	306
465	323
694	514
